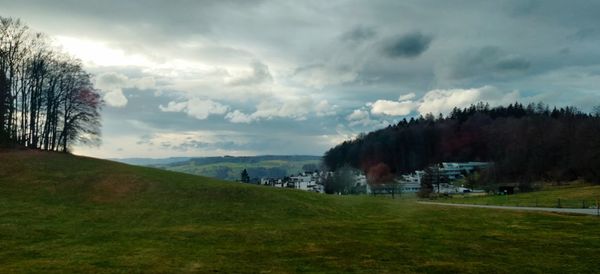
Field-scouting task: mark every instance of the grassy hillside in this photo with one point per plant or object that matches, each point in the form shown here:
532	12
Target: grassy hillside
229	168
60	213
567	196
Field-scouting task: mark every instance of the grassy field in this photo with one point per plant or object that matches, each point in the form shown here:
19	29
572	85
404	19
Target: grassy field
60	213
567	196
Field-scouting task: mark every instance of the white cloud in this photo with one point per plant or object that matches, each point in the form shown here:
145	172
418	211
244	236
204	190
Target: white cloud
201	142
143	83
320	76
323	108
99	53
297	108
341	134
174	107
407	96
392	108
357	114
238	117
111	85
115	98
197	108
434	101
205	136
444	100
111	80
361	117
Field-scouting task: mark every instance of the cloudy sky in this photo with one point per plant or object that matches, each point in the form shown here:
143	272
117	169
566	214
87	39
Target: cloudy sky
199	78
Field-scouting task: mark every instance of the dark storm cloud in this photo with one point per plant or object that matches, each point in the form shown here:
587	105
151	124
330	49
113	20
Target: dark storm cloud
407	46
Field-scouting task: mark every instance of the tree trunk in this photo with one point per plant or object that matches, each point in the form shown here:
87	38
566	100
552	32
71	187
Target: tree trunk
3	104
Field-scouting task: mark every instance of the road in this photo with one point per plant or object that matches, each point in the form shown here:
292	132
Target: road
586	211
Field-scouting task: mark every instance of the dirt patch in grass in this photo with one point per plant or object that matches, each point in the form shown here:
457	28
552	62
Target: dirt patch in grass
117	187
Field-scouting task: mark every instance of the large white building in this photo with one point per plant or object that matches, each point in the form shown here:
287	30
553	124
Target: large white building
455	171
410	182
452	171
308	181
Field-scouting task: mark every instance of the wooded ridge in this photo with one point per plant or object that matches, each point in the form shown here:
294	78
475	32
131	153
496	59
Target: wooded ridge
525	143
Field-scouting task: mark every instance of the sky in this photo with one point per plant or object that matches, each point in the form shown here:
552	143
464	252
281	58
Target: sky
252	77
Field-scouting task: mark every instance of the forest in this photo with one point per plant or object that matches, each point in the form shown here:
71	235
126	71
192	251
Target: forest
47	100
525	143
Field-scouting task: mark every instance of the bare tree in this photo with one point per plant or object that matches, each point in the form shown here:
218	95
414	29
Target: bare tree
47	100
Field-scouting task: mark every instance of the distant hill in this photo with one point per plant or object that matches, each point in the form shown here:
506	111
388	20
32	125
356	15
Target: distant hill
150	161
230	167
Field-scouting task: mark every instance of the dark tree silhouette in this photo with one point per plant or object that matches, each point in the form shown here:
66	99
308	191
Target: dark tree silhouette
245	178
342	181
526	143
431	181
47	100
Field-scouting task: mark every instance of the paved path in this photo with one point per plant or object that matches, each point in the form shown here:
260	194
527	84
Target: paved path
587	211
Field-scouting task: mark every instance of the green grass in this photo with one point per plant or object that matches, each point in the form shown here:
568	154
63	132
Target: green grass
576	195
60	213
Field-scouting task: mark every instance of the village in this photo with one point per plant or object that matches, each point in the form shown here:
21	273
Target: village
315	181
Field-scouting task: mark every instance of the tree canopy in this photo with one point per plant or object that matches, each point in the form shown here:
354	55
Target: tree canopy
526	143
47	99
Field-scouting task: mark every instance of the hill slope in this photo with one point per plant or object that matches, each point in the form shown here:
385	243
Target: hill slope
150	161
61	213
230	167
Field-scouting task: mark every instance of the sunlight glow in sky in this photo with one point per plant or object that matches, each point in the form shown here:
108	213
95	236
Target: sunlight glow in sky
95	53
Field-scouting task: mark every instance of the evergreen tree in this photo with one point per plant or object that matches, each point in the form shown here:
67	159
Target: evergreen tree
526	143
245	178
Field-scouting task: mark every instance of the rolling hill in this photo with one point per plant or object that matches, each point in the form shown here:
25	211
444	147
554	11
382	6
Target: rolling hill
230	167
150	161
62	214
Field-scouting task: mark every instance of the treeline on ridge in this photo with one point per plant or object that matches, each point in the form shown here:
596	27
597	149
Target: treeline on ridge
525	143
47	100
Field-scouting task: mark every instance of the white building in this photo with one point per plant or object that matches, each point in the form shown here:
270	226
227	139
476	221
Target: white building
360	179
455	171
411	182
305	181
